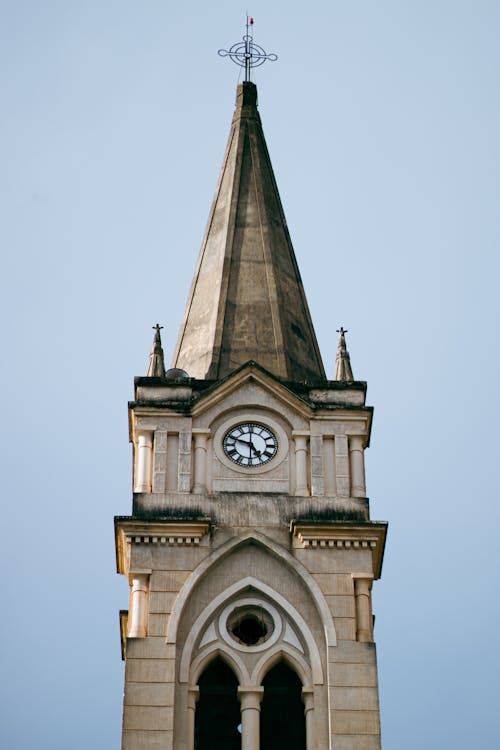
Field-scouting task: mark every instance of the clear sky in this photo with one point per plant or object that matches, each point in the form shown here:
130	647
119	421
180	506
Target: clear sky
382	120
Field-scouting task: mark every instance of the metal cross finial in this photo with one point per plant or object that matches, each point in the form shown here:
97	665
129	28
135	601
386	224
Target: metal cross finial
342	330
247	54
157	327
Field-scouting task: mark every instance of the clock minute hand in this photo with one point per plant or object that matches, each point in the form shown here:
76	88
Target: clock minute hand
250	444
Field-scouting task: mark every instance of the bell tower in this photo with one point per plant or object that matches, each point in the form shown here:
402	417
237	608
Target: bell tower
250	551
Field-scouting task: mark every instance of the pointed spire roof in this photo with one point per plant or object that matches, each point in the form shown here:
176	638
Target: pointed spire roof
247	301
156	367
343	369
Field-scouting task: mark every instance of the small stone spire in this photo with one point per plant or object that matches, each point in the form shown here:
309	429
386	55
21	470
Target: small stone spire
156	367
343	361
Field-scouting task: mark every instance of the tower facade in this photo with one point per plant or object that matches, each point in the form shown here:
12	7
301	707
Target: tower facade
250	551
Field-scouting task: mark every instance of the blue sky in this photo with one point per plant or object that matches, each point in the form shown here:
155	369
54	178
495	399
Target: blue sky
382	120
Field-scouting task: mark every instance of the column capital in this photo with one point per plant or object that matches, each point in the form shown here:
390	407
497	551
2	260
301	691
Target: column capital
300	434
193	695
145	433
356	442
139	579
250	697
308	698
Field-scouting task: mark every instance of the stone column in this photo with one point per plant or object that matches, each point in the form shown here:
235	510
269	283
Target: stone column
144	461
357	461
250	698
193	695
300	439
138	605
364	619
200	461
308	698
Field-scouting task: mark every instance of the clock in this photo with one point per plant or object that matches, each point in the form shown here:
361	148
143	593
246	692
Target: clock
250	444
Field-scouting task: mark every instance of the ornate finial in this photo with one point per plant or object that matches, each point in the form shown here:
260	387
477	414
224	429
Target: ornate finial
156	367
343	369
247	54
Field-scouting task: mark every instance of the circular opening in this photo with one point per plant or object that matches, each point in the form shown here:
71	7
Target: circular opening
250	625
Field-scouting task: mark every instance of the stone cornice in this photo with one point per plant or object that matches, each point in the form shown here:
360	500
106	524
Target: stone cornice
312	535
130	531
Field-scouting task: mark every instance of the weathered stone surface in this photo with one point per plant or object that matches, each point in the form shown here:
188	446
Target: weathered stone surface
160	602
152	647
247	269
334	560
355	698
157	625
355	722
168	580
150	670
335	584
353	675
345	628
341	606
352	652
147	740
147	717
357	742
149	694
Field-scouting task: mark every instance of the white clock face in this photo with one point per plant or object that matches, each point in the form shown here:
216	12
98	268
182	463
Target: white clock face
250	444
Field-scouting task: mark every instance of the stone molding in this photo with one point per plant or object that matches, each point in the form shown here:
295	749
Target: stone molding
252	537
343	536
170	533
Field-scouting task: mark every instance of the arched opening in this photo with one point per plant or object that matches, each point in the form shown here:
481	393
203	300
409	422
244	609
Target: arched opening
218	710
282	721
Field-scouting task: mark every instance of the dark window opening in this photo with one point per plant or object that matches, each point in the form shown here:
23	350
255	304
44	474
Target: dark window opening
217	710
250	631
250	625
282	721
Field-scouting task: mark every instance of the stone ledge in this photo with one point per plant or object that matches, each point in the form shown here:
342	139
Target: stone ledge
130	531
335	535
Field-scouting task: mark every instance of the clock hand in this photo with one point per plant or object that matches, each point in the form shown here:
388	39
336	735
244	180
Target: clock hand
251	445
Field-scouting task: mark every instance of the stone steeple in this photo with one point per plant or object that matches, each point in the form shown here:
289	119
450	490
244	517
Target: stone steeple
343	369
247	301
156	367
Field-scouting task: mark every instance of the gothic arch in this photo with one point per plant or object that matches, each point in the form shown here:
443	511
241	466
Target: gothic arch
230	592
211	652
281	652
274	549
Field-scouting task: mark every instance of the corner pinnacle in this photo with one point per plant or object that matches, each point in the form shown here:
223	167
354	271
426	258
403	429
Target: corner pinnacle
343	369
156	367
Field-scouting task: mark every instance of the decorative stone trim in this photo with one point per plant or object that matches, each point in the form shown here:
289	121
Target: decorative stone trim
171	534
130	531
342	536
162	540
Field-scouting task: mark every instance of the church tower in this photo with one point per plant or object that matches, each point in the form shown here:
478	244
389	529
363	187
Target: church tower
250	551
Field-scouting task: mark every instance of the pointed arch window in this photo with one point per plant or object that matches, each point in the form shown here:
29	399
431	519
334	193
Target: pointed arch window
218	711
282	720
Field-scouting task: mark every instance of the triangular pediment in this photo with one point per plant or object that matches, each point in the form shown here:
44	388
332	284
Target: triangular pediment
248	380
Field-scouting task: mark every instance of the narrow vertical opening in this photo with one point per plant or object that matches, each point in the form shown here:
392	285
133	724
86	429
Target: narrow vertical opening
282	720
172	462
218	709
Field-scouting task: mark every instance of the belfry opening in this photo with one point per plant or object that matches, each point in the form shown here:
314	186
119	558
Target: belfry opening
282	720
217	723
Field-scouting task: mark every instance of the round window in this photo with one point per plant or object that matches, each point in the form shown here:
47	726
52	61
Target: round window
250	625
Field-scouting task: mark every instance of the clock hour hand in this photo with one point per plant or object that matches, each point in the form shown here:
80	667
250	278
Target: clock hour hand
251	445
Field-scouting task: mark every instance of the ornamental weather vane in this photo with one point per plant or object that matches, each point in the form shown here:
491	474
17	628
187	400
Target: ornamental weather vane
246	53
